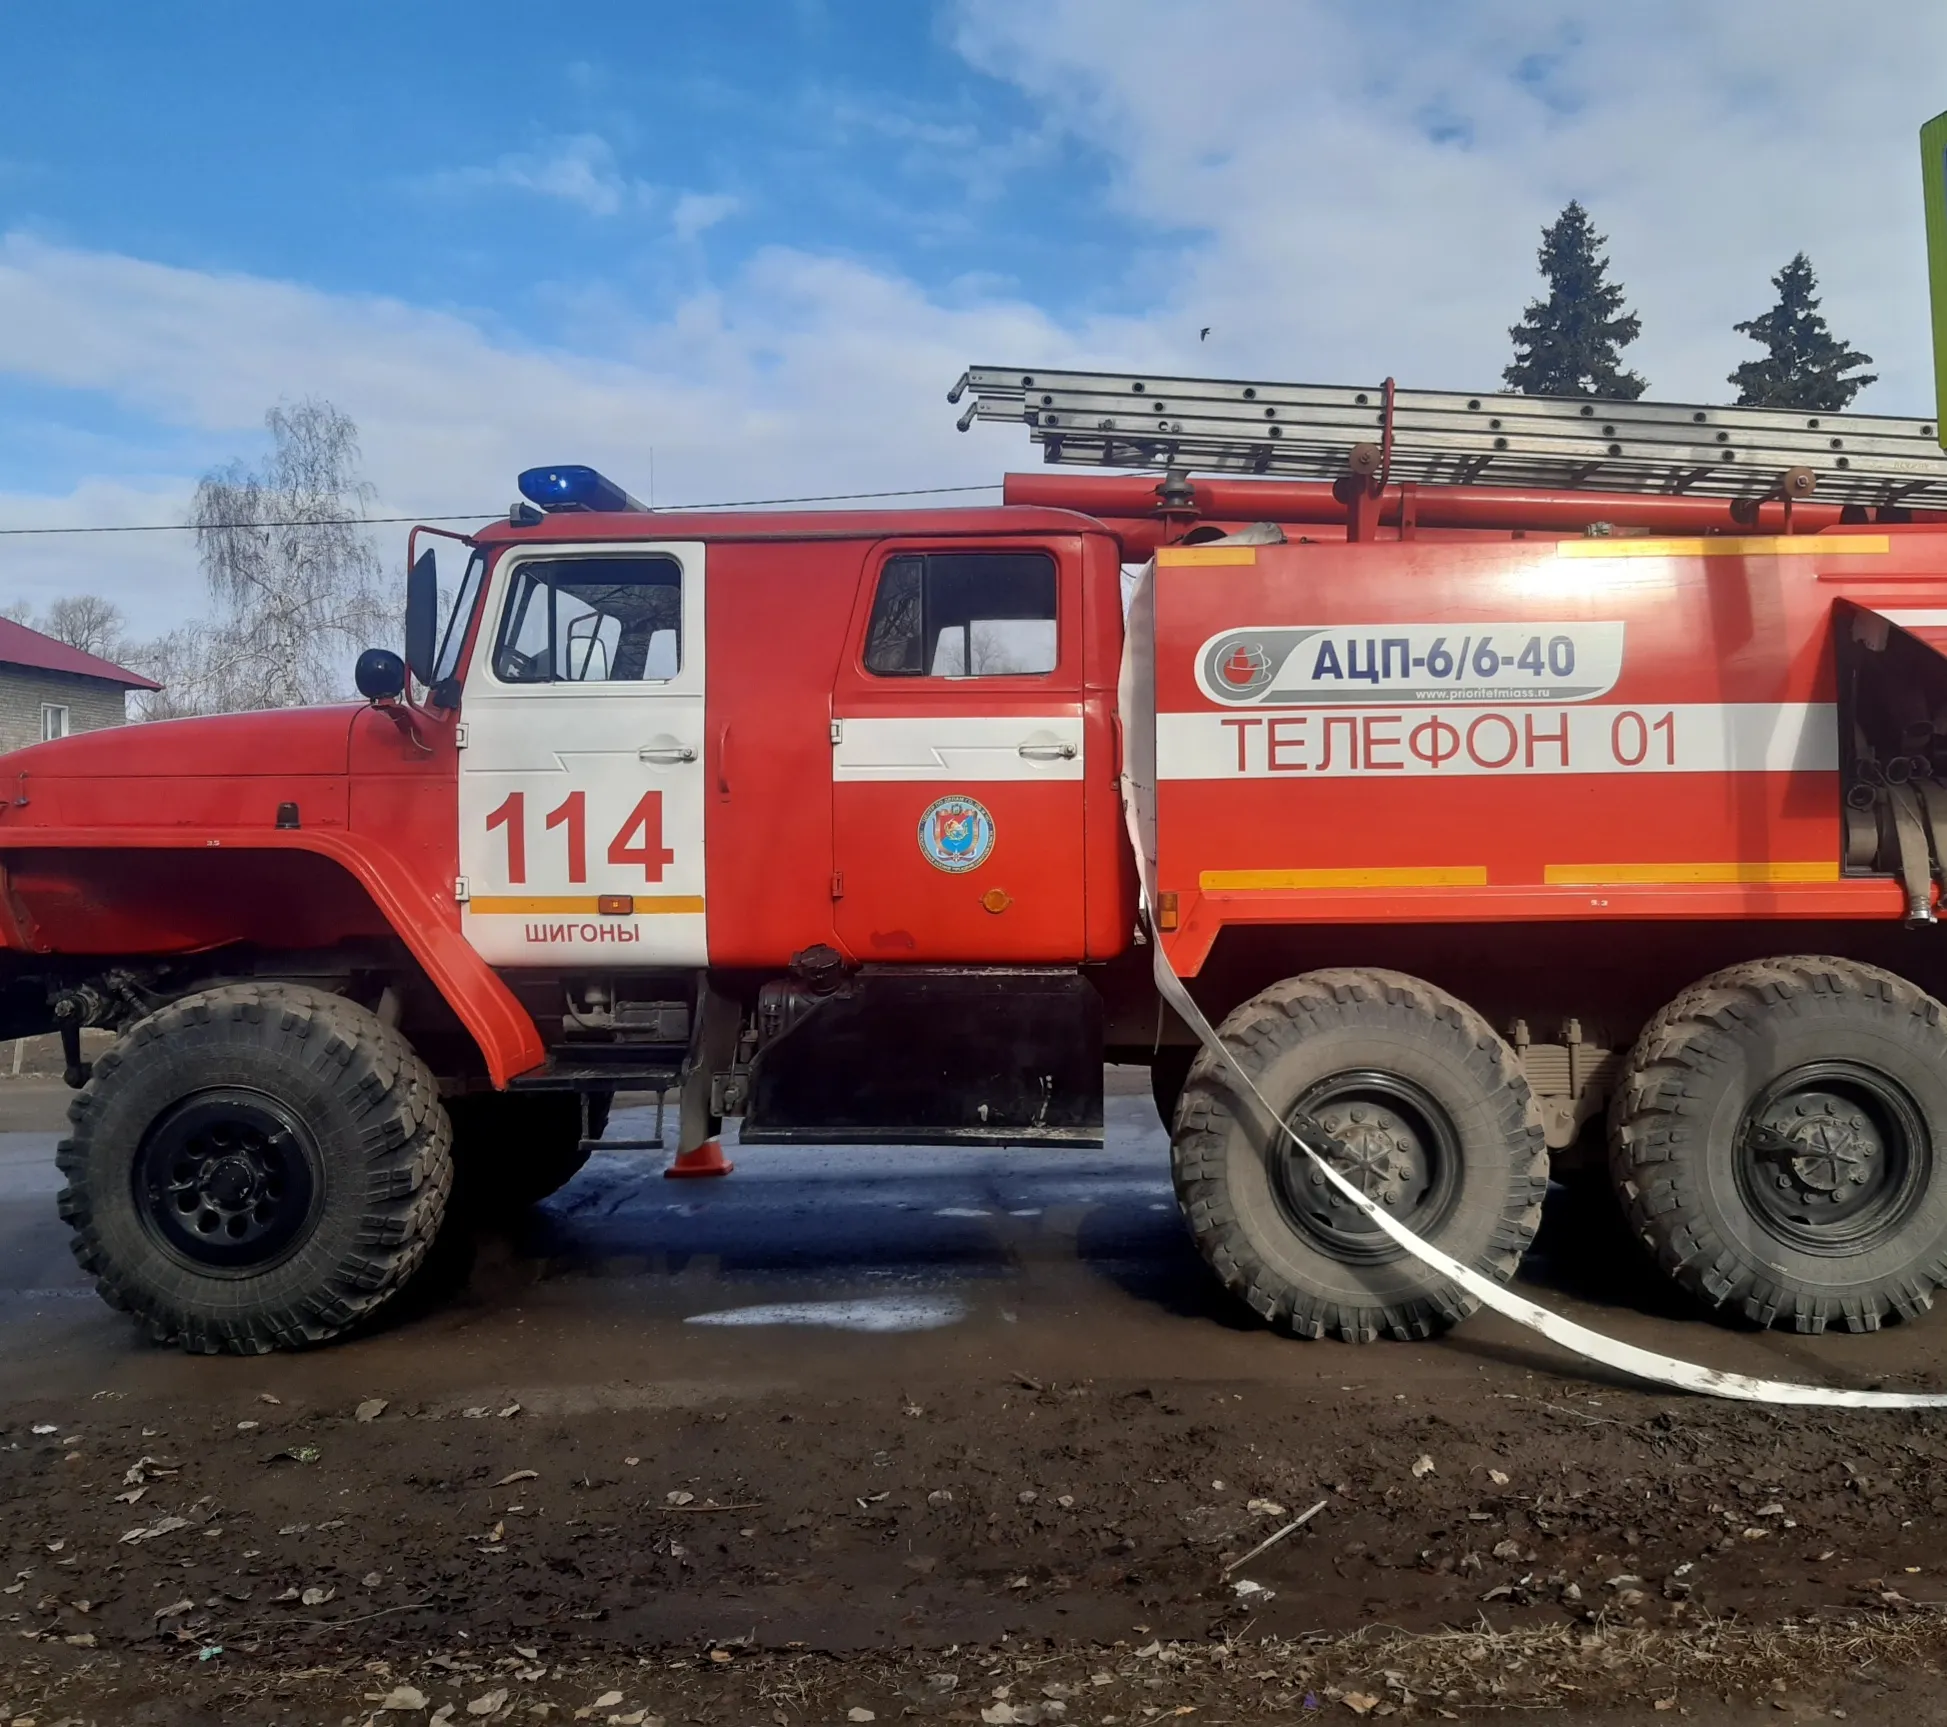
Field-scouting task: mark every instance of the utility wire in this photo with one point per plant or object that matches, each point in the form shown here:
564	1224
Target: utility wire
479	515
296	522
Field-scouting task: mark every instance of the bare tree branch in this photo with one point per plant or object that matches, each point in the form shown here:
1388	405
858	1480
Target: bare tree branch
85	621
294	604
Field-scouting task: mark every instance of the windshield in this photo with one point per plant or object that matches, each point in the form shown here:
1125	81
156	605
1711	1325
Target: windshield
454	637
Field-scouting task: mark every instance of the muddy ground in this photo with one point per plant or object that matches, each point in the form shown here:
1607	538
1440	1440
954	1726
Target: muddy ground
645	1446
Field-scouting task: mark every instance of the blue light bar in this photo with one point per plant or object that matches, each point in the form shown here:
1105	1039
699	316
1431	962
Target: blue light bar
572	486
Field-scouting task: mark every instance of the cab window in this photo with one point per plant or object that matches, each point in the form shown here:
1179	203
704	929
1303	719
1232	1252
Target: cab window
592	620
461	615
963	615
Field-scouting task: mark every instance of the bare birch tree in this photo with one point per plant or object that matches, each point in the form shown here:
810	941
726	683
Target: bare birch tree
293	577
177	661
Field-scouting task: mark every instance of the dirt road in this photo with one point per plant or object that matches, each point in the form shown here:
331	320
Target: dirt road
848	1417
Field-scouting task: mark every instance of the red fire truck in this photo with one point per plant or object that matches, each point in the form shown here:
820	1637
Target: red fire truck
1516	779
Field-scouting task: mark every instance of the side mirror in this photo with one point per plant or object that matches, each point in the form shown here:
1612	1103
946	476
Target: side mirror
380	675
422	616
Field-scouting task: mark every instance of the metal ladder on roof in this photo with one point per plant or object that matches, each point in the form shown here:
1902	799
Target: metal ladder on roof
1446	437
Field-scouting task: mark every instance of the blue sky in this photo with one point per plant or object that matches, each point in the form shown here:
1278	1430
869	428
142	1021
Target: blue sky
760	238
537	180
483	155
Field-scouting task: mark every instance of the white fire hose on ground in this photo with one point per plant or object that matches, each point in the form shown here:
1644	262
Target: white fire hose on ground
1136	697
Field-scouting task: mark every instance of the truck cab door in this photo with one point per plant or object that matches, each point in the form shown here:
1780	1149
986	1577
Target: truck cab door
581	783
958	757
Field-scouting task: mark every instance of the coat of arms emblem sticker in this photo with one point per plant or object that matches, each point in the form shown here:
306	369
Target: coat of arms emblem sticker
956	834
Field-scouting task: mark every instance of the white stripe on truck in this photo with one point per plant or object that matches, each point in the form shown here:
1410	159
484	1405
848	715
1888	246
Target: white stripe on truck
960	747
1650	737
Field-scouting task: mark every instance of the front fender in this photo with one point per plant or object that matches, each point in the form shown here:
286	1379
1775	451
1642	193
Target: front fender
79	912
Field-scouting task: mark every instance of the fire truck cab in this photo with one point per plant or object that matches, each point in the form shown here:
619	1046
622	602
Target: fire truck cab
868	760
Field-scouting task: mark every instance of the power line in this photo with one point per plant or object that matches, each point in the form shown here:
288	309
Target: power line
478	515
190	527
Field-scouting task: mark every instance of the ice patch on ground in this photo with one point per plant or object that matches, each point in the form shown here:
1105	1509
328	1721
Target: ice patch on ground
961	1211
869	1313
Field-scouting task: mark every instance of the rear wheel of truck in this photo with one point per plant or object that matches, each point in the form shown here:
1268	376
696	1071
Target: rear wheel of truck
512	1149
1169	1067
1439	1126
254	1167
1778	1141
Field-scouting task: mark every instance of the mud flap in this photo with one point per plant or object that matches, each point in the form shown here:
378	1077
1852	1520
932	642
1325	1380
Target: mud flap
713	1045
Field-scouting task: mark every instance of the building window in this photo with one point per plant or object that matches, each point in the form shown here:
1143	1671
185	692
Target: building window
54	721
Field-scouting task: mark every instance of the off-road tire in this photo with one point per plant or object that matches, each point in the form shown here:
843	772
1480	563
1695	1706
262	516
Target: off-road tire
1169	1067
512	1149
1694	1071
1290	1038
372	1110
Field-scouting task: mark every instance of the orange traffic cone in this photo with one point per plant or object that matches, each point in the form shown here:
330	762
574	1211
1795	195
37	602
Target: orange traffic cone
707	1159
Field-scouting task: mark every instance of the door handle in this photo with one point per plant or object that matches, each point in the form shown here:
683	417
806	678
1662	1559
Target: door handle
1049	752
668	753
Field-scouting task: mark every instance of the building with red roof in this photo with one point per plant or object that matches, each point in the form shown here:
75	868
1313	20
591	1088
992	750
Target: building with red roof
48	689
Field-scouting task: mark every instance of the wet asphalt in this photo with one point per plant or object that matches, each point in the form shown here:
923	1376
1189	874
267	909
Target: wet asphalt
841	1264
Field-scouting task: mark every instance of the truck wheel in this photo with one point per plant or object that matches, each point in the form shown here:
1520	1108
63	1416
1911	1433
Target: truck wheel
257	1166
1169	1067
513	1149
1778	1141
1441	1126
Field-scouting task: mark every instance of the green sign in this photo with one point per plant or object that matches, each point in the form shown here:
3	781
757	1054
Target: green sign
1933	173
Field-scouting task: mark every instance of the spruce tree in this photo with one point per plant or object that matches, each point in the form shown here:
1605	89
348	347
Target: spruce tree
1805	365
1571	343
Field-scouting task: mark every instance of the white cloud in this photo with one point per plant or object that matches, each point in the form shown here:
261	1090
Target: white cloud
580	170
915	136
583	170
800	374
1366	187
153	577
696	211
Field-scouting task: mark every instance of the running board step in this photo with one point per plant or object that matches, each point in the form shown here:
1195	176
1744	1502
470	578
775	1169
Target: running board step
582	1075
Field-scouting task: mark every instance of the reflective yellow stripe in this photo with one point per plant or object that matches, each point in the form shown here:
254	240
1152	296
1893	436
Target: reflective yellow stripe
1207	555
578	905
1688	874
1729	546
1258	880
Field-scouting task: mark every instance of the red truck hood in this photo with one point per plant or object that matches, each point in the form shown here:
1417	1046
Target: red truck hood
282	742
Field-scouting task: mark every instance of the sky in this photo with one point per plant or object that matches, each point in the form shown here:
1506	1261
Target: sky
742	250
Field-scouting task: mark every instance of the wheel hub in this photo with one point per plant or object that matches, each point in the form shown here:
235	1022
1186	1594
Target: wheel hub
228	1181
1823	1145
233	1184
1391	1140
1377	1152
1832	1156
